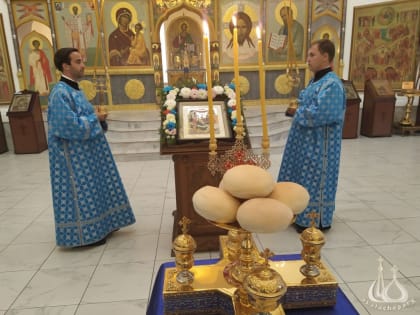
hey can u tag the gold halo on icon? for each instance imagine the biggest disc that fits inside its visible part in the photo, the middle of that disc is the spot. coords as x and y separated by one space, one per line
183 21
282 84
88 88
79 11
280 6
129 6
243 85
134 89
32 39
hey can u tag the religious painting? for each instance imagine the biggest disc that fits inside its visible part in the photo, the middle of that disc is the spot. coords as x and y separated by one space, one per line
76 25
37 58
247 18
333 8
127 33
194 120
7 87
184 43
25 12
278 34
351 93
384 42
21 102
328 32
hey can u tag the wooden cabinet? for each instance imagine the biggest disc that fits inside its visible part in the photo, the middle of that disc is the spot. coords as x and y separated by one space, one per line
26 123
3 143
351 119
378 109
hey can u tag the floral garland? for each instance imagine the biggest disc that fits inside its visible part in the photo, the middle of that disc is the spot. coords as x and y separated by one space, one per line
171 95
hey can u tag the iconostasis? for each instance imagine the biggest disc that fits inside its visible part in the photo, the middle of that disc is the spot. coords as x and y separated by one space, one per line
132 48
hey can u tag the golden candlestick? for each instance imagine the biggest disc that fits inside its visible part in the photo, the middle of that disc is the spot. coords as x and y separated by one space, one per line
265 139
212 144
411 94
239 126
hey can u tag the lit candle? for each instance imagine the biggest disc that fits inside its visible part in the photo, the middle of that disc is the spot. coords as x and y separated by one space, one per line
262 90
209 84
239 126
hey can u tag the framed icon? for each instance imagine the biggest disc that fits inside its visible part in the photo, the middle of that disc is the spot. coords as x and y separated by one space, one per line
194 120
21 102
351 93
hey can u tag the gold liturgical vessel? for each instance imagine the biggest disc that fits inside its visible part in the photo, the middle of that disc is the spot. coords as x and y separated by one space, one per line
246 282
184 247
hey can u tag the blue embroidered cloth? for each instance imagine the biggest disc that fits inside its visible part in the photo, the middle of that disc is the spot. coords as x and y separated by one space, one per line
312 154
89 198
156 303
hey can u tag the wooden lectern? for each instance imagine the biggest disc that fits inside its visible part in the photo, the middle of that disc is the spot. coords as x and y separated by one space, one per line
3 143
378 109
191 173
351 119
26 123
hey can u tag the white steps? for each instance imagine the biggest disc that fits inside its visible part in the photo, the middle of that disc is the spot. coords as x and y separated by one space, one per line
135 135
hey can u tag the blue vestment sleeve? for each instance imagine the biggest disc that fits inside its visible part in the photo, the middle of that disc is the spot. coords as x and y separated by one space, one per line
323 107
72 117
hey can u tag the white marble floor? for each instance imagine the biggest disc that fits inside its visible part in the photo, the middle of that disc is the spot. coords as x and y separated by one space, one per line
378 214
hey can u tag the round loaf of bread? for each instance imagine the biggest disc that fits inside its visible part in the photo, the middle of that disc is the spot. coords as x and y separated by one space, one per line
292 194
248 181
215 204
264 215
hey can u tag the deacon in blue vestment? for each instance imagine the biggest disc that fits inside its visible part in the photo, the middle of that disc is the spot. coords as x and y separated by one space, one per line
312 153
89 198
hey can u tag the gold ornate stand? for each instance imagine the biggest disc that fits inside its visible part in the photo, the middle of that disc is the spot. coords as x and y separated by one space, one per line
406 125
223 288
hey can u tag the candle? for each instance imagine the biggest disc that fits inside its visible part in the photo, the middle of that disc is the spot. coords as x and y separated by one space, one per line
262 89
209 85
236 76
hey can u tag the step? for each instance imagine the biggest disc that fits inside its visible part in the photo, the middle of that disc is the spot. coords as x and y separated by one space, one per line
134 135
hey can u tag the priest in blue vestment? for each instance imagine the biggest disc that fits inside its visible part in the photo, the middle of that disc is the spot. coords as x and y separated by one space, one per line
312 154
89 198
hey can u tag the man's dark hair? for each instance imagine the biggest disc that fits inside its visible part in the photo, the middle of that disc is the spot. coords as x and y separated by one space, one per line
63 56
326 46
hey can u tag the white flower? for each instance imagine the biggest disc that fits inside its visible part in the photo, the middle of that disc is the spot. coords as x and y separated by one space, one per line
231 102
218 89
202 94
170 104
185 92
171 95
194 94
230 93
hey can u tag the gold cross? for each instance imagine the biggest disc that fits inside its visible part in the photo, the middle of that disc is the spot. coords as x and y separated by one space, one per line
266 254
312 215
184 223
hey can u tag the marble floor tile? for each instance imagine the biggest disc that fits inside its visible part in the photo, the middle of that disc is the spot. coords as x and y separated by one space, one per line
381 232
25 256
120 282
406 256
55 287
377 215
11 284
53 310
134 307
